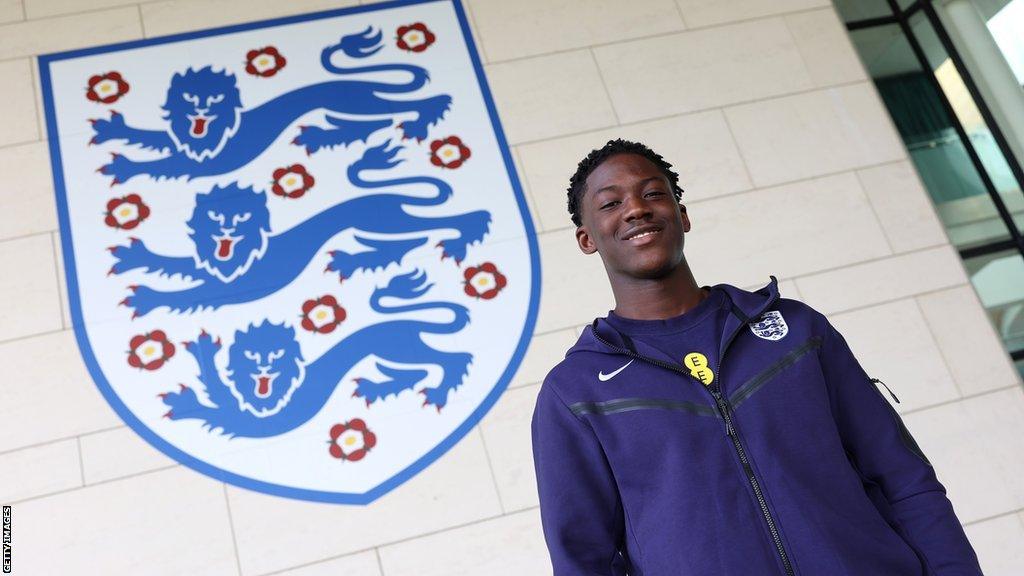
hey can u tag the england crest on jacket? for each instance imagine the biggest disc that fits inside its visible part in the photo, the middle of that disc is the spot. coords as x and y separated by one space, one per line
297 254
770 326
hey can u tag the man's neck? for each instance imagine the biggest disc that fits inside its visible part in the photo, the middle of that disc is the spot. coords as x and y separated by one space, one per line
657 299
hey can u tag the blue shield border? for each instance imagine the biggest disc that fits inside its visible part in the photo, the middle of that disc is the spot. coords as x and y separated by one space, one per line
72 285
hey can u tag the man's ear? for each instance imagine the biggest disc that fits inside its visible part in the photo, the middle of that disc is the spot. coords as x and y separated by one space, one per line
583 238
686 219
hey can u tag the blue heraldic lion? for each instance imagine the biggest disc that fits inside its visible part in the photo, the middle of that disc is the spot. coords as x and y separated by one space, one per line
237 257
269 387
209 132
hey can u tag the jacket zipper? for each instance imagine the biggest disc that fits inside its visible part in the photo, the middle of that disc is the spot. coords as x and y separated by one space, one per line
723 408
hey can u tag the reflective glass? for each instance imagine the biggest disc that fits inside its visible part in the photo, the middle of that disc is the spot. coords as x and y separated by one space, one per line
998 279
960 197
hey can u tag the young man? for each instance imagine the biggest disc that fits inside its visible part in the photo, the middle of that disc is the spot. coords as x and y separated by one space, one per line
708 430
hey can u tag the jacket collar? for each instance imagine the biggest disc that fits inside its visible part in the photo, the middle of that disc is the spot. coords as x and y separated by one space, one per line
746 306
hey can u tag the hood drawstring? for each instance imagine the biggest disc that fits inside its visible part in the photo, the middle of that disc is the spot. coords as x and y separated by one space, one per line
887 389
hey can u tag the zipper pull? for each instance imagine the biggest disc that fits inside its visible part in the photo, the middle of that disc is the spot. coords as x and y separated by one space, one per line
887 389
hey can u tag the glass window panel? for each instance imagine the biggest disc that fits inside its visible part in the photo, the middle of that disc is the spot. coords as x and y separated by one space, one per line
960 197
969 116
998 279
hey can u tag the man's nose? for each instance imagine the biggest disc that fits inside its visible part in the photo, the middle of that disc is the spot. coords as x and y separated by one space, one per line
635 207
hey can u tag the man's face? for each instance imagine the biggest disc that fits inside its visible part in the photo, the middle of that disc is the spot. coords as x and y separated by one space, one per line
631 218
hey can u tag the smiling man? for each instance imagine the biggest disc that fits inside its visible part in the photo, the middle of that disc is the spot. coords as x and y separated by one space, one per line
715 431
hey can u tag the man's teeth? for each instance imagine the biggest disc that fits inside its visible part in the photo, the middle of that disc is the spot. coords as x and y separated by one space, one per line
644 234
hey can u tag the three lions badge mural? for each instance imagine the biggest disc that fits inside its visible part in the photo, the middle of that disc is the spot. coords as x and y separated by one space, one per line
298 257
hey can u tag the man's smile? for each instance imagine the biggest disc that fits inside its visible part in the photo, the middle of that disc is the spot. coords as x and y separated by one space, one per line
641 232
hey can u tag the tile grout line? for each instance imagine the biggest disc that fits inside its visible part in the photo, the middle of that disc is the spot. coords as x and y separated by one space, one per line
113 8
935 341
874 210
99 483
28 235
56 440
682 17
658 35
24 11
380 562
478 39
231 525
37 97
958 400
632 123
60 291
81 460
993 517
604 84
399 541
142 27
739 151
860 307
490 466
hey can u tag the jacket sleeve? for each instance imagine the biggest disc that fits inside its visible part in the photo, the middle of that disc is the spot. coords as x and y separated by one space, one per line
580 509
887 456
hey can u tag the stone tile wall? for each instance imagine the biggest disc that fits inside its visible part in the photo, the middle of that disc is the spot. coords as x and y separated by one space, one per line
791 167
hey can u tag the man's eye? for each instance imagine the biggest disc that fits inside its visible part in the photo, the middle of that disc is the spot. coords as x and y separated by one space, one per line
609 204
655 193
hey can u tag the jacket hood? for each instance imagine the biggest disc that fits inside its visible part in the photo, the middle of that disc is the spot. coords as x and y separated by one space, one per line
600 336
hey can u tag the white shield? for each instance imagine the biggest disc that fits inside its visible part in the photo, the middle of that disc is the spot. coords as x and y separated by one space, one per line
298 256
770 326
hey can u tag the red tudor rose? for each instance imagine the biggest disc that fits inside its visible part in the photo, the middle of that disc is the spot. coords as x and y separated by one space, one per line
351 440
126 212
106 88
322 315
483 281
292 181
149 351
415 37
264 62
448 153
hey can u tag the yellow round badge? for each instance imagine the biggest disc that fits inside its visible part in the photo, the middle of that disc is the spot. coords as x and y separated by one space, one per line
698 365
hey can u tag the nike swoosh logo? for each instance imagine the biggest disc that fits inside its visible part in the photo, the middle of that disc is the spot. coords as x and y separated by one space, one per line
605 377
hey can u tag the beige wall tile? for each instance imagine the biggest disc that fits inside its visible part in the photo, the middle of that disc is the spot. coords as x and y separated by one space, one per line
44 8
699 146
361 564
521 174
826 48
784 231
455 490
52 396
29 203
172 522
881 280
117 453
973 351
172 16
701 69
29 300
11 11
34 37
508 546
975 446
893 343
814 133
39 470
998 544
575 288
532 27
708 12
549 96
544 352
506 430
903 206
18 114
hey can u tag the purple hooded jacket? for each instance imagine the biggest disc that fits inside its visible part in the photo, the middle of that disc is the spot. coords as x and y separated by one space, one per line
795 464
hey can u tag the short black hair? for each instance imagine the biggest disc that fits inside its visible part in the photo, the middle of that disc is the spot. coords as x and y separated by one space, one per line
578 182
